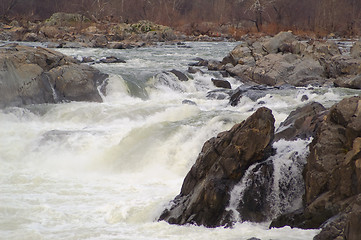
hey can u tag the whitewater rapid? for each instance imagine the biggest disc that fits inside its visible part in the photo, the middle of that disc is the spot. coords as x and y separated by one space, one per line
107 170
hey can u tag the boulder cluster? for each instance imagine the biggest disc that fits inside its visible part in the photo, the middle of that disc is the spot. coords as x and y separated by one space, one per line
284 60
37 75
70 30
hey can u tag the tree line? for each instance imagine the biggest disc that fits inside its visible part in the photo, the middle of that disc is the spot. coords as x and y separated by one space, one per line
328 16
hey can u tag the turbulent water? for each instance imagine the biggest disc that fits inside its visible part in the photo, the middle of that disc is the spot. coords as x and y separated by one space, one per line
107 170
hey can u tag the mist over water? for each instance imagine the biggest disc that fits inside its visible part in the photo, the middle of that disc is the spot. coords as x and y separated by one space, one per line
107 170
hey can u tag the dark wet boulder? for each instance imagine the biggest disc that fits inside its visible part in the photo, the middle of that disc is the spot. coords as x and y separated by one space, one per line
181 76
38 75
301 123
188 102
332 175
205 192
221 83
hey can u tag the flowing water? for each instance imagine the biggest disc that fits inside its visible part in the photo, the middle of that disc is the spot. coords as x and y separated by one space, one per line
107 170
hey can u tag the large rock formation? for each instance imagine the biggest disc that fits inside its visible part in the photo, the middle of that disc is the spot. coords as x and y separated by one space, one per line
220 165
283 59
333 176
38 75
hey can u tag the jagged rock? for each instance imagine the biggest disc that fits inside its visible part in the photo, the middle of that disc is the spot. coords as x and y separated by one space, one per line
38 75
220 165
333 175
301 123
221 83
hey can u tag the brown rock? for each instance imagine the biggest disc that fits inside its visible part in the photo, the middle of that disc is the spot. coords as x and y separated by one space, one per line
301 123
220 165
333 176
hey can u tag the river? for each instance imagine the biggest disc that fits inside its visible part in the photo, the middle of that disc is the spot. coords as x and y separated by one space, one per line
107 170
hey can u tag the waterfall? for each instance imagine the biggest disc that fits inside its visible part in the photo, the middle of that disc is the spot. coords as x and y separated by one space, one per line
273 187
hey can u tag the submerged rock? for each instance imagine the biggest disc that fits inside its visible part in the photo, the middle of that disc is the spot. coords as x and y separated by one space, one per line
220 165
38 75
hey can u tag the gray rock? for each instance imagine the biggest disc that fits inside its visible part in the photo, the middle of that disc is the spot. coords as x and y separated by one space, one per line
301 123
38 75
276 43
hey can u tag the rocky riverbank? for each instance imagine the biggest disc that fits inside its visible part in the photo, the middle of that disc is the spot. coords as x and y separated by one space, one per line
75 31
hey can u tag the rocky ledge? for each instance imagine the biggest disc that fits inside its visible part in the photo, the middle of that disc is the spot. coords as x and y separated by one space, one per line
38 75
332 174
286 60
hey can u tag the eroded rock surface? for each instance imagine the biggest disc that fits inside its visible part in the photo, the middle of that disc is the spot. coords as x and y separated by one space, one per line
220 165
38 75
333 175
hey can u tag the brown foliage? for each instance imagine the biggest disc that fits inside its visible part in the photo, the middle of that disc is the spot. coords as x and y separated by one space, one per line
342 17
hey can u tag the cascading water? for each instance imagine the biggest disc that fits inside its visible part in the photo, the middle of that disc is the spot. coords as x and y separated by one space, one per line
107 170
273 187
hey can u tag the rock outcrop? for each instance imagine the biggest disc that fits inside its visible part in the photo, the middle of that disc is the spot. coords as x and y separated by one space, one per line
333 176
38 75
302 123
283 59
220 165
76 30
